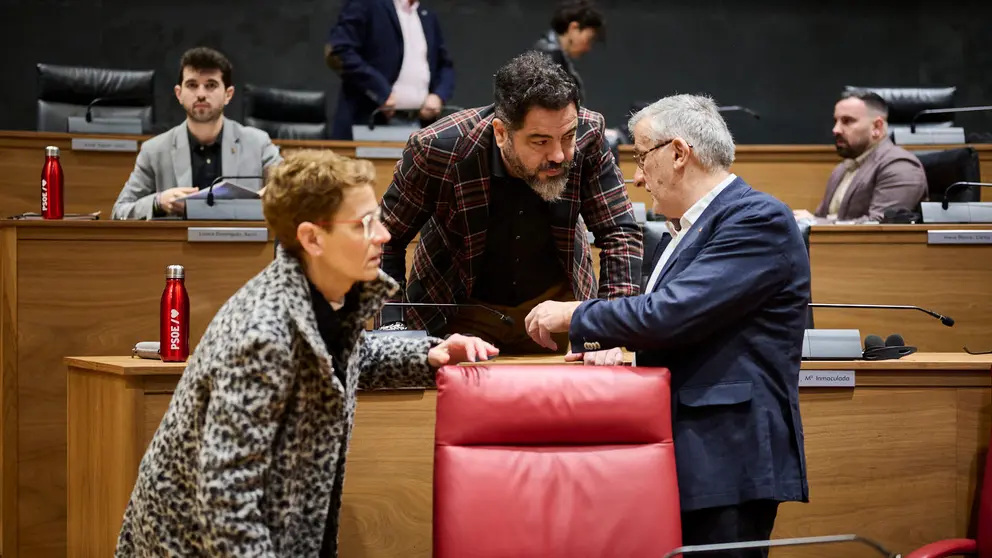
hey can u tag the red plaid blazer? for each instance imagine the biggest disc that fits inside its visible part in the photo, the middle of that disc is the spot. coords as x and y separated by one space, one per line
440 189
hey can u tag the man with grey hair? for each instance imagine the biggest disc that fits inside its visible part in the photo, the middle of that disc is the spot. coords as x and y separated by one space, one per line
725 312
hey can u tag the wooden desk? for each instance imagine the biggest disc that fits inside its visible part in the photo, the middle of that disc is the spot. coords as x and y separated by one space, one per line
893 264
85 288
796 174
895 458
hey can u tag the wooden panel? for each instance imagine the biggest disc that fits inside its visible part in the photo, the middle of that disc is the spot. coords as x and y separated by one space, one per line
796 174
97 294
8 389
154 407
104 434
895 265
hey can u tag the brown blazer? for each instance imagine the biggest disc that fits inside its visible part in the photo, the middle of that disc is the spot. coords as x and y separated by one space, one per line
889 178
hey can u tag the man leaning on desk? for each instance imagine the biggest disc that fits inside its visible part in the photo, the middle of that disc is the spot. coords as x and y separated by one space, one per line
192 155
876 177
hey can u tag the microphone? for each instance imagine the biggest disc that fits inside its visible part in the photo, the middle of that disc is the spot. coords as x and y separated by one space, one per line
738 108
503 317
210 189
947 192
912 123
100 100
946 320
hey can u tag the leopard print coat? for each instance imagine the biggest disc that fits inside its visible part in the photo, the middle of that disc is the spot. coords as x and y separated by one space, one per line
249 459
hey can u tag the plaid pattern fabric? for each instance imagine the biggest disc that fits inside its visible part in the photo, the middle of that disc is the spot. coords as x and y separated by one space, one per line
440 189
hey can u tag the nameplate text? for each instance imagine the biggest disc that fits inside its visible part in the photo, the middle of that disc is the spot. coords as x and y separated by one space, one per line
227 234
826 378
96 144
959 237
392 153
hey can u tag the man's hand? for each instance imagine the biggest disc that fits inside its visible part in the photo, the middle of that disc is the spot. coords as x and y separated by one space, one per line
389 107
460 348
549 317
609 357
167 200
801 214
431 107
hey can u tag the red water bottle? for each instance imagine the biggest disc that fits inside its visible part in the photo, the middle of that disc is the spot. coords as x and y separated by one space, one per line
52 185
174 317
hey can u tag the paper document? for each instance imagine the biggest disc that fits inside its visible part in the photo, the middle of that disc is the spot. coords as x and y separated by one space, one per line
225 191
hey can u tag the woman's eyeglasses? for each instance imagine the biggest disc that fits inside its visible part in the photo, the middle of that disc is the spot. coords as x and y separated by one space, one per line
368 222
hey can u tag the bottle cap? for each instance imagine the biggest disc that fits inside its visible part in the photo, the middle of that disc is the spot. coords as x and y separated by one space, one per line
51 151
175 272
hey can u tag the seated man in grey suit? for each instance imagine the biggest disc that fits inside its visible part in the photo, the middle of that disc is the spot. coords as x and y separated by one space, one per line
876 175
192 155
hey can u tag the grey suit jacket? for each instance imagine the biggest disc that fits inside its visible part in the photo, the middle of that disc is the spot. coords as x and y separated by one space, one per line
164 163
890 178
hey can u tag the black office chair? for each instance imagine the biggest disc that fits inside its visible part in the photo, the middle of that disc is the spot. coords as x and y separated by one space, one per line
906 102
655 233
65 91
286 113
946 167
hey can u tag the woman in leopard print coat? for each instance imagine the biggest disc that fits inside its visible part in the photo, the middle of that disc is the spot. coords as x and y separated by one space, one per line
249 459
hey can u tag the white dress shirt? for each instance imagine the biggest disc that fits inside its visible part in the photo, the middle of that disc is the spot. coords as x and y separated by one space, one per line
413 83
685 223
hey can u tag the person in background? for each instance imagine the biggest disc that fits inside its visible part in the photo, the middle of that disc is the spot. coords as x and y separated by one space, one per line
390 55
501 197
192 155
725 311
876 176
575 26
249 458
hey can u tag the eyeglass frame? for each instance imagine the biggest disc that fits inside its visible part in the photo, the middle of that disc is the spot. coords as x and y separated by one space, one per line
639 157
366 221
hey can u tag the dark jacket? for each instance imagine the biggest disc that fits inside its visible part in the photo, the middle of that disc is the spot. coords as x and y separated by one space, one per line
727 317
549 45
367 52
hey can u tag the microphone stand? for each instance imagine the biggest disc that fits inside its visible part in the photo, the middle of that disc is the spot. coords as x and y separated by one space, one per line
946 320
947 193
210 189
738 108
912 123
503 317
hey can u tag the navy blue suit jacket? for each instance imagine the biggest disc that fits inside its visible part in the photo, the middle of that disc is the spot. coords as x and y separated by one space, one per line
727 317
367 52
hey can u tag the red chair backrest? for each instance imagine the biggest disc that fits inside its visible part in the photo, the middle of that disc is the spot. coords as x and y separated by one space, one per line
554 461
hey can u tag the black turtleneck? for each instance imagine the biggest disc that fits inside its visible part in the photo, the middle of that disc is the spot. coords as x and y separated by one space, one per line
331 328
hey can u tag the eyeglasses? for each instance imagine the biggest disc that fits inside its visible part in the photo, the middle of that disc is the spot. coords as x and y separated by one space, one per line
639 157
368 222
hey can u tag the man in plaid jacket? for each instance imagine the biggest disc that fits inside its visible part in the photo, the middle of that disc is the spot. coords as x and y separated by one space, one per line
502 197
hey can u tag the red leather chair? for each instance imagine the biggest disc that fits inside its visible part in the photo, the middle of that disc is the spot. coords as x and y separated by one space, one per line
554 461
981 545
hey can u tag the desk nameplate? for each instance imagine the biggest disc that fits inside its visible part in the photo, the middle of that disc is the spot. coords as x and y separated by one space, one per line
95 144
394 153
826 378
959 237
227 234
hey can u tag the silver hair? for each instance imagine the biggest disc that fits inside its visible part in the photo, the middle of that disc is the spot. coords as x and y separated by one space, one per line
695 119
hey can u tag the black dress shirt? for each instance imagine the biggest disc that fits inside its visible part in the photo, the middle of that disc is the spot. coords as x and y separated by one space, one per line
521 259
331 330
205 161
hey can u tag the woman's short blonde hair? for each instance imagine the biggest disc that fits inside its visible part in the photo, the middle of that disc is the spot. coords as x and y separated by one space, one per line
308 185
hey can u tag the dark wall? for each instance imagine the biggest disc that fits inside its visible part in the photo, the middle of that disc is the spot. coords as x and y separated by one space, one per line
787 62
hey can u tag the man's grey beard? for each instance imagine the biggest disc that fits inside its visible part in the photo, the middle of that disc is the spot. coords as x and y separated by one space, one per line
550 189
